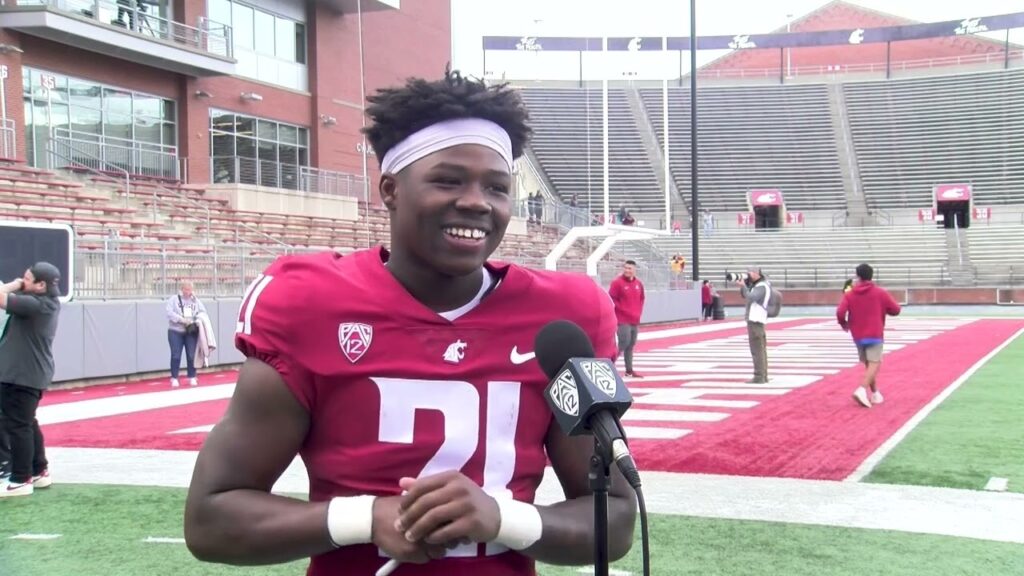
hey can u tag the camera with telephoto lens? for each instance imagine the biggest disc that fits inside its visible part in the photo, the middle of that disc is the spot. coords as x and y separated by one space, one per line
736 277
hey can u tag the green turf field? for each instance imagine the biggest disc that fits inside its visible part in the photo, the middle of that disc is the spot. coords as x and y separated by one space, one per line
103 529
975 434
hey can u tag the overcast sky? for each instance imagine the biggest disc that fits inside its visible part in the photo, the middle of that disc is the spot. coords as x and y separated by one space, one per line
473 19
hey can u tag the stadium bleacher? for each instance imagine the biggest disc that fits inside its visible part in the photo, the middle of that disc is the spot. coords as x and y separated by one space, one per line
754 137
823 257
911 134
568 143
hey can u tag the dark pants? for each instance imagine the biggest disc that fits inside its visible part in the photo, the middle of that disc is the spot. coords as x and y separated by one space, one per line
707 310
758 350
28 455
627 340
189 342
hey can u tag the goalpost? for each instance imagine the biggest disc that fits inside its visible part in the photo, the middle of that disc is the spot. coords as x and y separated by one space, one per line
612 233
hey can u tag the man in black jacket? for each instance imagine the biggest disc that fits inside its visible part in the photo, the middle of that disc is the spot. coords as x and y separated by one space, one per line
26 370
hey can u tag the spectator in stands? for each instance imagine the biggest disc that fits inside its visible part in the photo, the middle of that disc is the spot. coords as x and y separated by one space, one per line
709 222
862 312
756 292
26 371
183 310
678 265
627 293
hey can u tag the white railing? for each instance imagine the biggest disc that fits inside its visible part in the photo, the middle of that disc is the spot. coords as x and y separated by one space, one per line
872 67
8 139
320 181
140 158
210 36
239 170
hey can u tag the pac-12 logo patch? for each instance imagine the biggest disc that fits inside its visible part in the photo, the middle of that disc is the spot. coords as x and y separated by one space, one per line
355 339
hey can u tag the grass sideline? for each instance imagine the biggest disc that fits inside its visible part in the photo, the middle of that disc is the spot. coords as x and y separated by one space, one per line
975 434
103 527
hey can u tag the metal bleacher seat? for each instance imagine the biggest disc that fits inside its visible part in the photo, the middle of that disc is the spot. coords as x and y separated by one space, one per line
754 137
823 257
568 143
911 134
996 253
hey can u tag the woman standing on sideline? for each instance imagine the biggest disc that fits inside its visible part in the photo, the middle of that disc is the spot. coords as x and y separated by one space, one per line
183 310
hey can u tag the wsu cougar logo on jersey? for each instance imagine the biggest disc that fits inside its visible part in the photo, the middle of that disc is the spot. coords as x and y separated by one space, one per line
354 339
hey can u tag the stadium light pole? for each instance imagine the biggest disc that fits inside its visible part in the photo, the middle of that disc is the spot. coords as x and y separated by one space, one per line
664 132
362 108
604 123
694 206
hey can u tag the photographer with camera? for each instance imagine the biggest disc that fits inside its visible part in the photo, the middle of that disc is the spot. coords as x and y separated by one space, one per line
183 310
757 292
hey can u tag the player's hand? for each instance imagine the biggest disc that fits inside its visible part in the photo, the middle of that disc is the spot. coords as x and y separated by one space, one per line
446 509
393 542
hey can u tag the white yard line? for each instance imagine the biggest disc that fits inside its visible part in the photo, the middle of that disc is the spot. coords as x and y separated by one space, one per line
878 455
965 513
996 484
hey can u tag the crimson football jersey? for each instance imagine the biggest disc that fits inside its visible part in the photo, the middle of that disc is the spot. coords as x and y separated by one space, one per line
393 389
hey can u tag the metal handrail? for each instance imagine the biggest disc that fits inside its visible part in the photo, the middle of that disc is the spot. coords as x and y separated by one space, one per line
127 182
210 36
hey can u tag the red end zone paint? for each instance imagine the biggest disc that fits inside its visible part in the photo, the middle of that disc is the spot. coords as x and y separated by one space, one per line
818 431
61 395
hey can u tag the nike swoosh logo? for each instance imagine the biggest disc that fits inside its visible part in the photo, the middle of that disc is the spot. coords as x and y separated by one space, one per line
516 358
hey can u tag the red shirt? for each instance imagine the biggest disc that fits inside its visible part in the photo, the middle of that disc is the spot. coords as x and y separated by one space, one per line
393 389
863 311
628 297
705 295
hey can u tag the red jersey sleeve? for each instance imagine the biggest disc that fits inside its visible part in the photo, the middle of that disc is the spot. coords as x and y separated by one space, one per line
268 321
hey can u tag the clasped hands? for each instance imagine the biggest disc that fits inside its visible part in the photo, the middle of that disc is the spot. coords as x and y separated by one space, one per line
433 514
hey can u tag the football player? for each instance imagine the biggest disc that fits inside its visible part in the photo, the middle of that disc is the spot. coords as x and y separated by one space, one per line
405 378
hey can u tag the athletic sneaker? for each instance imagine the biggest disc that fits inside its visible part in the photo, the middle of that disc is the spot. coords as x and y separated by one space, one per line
861 395
633 375
193 382
876 398
43 480
8 490
5 471
175 383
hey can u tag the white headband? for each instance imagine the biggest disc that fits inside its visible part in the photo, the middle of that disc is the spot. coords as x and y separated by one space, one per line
445 135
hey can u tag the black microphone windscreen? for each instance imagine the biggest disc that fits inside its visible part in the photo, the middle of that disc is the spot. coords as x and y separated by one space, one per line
557 342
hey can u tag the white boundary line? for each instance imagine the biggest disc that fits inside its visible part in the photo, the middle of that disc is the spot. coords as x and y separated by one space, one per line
871 461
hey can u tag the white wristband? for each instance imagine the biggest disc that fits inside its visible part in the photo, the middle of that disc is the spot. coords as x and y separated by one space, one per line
350 520
521 525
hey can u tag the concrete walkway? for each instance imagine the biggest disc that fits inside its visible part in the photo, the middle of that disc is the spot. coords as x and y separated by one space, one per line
963 513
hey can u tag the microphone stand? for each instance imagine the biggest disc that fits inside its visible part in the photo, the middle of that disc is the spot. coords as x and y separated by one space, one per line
600 481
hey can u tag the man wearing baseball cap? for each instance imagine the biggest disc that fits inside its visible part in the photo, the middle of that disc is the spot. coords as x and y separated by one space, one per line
26 370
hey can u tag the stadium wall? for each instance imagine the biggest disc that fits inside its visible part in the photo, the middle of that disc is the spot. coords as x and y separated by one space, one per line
99 340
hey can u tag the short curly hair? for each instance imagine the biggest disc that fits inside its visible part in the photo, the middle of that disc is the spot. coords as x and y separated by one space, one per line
397 113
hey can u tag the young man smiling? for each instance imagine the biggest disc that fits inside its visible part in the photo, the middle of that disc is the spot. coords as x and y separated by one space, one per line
402 379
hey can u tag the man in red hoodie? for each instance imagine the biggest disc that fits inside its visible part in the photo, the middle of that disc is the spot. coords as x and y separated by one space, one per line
862 313
627 293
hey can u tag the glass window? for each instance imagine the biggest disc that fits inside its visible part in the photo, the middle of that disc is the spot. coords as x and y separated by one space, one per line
117 126
245 126
267 130
85 120
223 144
117 101
242 25
285 42
147 130
300 43
150 106
289 134
246 147
219 11
223 121
26 82
170 134
264 26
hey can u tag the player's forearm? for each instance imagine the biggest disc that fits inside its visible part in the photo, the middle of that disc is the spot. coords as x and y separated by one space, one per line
249 527
568 533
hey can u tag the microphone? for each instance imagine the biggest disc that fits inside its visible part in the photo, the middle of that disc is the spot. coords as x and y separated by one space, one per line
586 394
